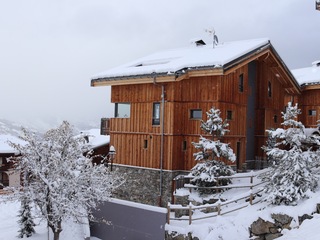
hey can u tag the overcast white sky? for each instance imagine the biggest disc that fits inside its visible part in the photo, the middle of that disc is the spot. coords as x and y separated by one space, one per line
50 49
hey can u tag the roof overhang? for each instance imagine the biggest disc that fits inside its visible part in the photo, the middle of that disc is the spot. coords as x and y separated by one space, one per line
160 77
313 86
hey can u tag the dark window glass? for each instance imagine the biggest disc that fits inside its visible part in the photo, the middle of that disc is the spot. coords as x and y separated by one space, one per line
229 115
196 114
269 89
184 145
241 83
145 144
156 114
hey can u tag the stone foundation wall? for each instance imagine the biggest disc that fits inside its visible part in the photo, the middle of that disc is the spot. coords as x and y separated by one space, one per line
142 185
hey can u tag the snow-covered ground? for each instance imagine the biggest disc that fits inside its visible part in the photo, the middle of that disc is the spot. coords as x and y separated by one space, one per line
227 227
235 225
9 226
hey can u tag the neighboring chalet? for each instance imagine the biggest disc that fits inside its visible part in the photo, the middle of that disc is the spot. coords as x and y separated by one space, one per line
160 100
99 144
7 177
309 101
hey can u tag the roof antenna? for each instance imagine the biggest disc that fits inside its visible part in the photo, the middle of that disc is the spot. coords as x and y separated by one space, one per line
212 32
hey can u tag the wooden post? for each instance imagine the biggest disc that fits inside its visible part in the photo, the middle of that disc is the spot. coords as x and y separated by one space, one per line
251 198
219 208
251 181
190 214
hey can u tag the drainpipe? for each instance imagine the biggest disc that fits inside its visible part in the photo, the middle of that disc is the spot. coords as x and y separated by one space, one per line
162 136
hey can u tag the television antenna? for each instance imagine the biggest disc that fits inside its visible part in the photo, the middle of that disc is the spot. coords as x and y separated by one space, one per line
212 33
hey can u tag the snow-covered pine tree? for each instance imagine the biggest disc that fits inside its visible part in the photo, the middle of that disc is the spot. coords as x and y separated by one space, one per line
211 150
270 144
290 177
25 219
62 182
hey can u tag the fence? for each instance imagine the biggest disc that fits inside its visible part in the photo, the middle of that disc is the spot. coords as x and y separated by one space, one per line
217 207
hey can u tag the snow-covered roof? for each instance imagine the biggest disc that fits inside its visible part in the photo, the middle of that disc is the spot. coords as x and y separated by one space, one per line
4 143
308 75
95 139
172 61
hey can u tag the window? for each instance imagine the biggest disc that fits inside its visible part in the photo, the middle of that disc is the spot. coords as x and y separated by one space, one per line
312 112
156 114
275 119
184 145
122 110
196 114
241 82
145 144
269 89
229 115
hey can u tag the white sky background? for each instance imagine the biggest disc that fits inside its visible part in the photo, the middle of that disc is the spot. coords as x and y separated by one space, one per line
50 49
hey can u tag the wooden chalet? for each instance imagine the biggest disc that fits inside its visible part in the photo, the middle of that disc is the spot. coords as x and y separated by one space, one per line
7 177
160 100
309 100
98 144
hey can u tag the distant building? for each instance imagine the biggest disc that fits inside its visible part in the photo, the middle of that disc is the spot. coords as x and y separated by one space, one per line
8 178
309 100
99 144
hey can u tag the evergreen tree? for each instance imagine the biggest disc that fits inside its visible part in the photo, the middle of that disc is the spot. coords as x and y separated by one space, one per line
25 219
290 176
211 152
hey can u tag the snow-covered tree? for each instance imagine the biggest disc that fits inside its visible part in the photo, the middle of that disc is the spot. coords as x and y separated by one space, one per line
25 219
290 177
211 152
62 182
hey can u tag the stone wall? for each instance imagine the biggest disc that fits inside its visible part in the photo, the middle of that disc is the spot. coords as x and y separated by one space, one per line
142 185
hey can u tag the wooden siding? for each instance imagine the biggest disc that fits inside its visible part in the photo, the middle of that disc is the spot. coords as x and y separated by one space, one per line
129 135
310 100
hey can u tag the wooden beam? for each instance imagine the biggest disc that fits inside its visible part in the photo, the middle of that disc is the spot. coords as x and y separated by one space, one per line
131 80
311 87
244 62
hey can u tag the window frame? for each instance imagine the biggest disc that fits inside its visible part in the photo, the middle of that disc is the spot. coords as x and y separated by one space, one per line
229 115
269 89
184 145
156 113
275 118
194 116
116 110
312 112
145 144
241 83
